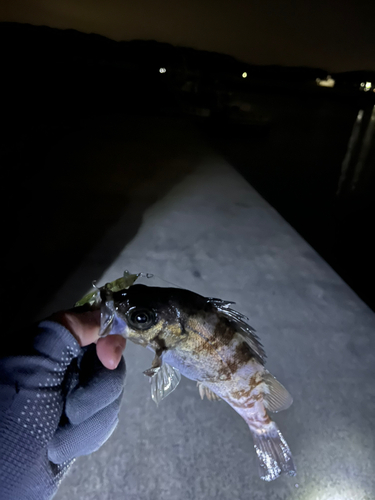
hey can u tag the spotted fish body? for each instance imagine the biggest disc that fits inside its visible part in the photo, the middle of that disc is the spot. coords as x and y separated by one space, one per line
206 341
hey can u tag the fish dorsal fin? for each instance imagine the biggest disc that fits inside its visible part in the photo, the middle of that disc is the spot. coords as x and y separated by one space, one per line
276 398
205 391
243 328
164 381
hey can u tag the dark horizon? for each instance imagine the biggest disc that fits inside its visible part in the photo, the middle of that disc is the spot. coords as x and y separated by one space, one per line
332 36
151 51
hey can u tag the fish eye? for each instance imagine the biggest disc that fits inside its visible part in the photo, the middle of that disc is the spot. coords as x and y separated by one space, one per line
141 318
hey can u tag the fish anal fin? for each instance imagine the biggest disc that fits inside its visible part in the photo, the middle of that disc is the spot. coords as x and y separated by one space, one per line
205 391
276 398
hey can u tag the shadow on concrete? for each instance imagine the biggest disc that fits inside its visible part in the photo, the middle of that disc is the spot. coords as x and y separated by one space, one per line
68 186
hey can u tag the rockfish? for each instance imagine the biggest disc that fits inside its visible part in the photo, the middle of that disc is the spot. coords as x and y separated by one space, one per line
205 340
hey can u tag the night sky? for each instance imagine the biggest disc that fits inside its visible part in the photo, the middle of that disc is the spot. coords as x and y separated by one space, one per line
336 35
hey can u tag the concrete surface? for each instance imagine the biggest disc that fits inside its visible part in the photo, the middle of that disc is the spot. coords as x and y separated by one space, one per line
214 234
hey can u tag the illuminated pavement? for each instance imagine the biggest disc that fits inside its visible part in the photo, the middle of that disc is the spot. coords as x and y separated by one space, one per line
214 234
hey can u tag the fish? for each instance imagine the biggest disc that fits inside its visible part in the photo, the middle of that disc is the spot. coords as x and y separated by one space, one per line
207 341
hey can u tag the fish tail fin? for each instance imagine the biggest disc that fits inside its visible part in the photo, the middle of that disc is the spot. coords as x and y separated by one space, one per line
273 452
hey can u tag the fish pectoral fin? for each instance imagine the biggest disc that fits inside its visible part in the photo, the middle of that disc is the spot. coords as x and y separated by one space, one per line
276 398
151 372
205 391
163 379
155 366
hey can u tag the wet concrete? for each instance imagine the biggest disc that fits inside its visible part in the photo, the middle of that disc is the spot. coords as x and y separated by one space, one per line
211 232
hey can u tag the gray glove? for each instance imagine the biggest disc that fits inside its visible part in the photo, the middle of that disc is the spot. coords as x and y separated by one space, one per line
57 402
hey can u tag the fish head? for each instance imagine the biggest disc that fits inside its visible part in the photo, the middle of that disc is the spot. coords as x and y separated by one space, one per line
169 318
156 317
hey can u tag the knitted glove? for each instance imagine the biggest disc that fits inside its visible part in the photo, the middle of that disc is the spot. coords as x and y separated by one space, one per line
57 402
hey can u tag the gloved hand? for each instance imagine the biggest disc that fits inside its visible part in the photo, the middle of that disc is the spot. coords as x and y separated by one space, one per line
92 403
57 402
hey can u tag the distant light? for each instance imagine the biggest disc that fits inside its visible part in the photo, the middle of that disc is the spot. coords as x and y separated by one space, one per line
328 82
244 74
368 86
162 70
362 84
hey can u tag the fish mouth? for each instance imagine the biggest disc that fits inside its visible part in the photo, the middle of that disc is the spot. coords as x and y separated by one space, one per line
111 323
